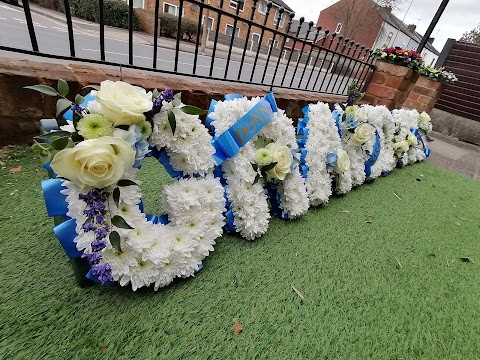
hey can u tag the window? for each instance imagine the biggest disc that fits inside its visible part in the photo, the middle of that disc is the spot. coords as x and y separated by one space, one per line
282 19
170 9
137 4
389 37
229 30
275 43
209 23
262 7
235 3
338 28
255 38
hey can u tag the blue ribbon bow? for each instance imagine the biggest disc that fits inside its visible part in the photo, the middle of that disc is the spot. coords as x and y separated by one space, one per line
231 141
374 156
427 151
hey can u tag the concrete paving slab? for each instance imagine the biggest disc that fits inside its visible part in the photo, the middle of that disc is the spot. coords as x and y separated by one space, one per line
447 150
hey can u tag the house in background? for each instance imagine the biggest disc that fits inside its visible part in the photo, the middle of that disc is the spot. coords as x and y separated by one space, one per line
191 11
373 26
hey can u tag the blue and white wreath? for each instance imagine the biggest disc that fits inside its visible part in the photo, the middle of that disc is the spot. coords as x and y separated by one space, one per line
407 142
96 171
325 165
263 170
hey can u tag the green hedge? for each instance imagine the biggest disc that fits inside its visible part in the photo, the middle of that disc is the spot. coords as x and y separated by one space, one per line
115 13
169 23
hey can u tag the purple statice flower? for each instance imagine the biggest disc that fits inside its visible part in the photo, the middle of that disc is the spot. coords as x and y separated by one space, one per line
101 232
103 272
167 95
351 100
88 227
100 219
98 206
93 258
98 245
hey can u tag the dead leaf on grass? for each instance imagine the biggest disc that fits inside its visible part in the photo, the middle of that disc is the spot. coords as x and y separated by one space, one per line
237 327
16 169
300 295
102 348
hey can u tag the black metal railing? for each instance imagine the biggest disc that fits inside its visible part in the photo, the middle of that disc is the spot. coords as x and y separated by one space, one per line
272 53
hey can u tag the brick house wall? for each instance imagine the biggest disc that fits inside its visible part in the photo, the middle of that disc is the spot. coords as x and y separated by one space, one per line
191 11
365 34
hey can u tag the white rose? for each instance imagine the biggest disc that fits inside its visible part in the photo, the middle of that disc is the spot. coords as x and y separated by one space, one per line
343 162
362 134
412 139
98 162
283 157
424 118
362 114
122 103
401 146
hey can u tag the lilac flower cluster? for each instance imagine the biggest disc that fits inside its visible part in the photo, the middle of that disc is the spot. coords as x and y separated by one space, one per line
166 95
96 222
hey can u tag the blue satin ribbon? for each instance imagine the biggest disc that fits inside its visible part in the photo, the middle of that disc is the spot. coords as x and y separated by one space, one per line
158 219
230 97
69 114
374 156
229 225
55 201
66 233
164 159
275 201
231 141
302 132
426 151
336 118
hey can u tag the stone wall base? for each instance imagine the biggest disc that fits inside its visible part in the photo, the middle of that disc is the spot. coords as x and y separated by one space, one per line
459 127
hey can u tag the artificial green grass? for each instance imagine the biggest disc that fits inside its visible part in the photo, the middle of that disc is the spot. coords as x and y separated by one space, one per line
382 278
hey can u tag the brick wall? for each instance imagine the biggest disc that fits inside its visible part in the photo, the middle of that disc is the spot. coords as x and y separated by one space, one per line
390 85
21 109
424 95
191 11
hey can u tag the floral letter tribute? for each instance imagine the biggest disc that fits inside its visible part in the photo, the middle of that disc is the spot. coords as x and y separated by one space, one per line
96 159
258 161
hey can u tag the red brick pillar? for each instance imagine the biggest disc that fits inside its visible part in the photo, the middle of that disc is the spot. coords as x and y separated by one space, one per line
390 85
424 95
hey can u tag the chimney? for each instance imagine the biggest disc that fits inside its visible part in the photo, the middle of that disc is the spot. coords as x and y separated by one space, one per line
431 40
411 28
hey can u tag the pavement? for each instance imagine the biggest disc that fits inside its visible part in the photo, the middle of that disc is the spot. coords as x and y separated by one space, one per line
455 155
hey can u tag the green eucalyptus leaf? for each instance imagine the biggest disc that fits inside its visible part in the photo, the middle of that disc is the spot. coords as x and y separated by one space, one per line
62 105
116 196
172 121
126 182
50 135
193 110
120 222
41 147
269 166
115 241
44 89
62 87
255 167
60 143
177 99
155 93
79 99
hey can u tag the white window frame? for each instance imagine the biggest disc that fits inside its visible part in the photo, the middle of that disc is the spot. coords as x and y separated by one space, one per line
254 33
177 8
227 25
143 5
282 19
274 42
259 5
339 28
210 18
236 4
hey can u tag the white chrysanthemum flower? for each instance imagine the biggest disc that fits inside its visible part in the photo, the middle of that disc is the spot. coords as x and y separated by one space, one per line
249 201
